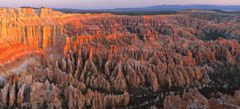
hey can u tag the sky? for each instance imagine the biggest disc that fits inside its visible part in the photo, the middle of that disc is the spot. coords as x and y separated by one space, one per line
106 4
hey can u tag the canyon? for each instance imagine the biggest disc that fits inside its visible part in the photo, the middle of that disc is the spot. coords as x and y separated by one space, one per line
50 59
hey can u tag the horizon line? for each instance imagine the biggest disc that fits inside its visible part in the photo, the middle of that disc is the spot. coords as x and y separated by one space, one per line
38 7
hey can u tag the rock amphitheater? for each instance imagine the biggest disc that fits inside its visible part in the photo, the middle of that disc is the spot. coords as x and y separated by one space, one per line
55 60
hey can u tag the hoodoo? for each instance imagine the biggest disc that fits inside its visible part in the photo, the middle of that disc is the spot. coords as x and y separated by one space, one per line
51 59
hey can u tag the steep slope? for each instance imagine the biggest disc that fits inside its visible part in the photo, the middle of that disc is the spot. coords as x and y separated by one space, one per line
26 32
117 61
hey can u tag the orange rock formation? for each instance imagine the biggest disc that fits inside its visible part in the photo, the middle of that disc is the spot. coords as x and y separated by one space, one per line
110 61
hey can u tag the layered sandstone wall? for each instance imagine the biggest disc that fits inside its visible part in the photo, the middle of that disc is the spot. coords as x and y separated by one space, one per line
31 27
24 31
110 61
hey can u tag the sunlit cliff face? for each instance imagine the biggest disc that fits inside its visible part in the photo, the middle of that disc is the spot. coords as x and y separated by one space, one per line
51 59
27 32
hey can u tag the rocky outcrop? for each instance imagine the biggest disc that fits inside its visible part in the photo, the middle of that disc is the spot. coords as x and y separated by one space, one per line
191 99
27 32
94 99
20 90
194 99
110 61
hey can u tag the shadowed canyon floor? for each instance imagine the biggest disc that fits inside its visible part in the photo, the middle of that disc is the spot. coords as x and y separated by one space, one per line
50 59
